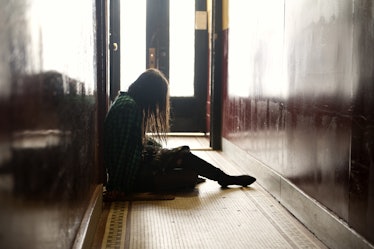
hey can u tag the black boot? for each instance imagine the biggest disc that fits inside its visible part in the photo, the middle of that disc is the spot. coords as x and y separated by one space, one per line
207 170
243 180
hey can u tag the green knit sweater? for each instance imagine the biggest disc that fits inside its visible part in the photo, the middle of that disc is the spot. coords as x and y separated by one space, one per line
123 143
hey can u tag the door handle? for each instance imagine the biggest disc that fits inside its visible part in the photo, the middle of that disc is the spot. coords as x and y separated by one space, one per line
152 57
114 46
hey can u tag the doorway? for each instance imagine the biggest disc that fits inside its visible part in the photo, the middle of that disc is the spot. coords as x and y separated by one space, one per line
164 34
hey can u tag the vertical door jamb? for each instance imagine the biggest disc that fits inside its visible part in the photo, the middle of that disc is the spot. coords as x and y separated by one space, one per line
115 48
216 77
102 18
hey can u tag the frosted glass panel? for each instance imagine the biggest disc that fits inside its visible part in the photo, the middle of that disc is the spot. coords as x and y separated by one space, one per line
133 38
182 47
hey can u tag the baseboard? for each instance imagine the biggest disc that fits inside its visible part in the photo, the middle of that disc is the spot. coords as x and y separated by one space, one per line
332 231
90 221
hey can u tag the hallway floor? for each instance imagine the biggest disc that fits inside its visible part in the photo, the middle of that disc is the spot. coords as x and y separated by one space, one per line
208 217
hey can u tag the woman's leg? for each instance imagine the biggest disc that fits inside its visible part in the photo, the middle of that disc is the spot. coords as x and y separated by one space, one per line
179 168
162 172
205 169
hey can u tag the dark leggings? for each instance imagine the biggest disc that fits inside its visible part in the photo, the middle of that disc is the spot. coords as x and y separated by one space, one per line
182 175
202 167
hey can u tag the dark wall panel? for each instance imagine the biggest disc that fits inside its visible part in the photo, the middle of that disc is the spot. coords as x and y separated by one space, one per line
303 102
361 213
48 131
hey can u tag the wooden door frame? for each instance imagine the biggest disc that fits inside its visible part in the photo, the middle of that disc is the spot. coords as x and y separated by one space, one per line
102 87
216 77
115 48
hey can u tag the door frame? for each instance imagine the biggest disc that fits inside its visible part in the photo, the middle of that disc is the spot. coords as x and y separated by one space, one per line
103 74
114 48
217 68
188 114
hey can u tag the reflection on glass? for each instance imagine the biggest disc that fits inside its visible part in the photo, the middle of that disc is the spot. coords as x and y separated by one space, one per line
39 139
255 61
133 38
239 64
182 47
60 38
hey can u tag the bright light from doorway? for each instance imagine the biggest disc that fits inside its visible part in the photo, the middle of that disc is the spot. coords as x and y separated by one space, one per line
182 47
133 38
182 44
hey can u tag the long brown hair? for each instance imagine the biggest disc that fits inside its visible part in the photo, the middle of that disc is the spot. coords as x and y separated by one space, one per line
151 92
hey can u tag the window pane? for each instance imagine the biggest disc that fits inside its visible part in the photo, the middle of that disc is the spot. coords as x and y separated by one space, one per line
133 37
182 47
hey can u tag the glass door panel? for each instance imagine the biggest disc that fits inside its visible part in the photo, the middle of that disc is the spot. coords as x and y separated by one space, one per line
182 47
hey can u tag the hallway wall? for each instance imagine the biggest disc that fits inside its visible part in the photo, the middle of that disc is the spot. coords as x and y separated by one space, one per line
299 97
48 127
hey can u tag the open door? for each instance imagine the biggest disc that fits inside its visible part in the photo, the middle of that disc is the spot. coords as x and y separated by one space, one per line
174 39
